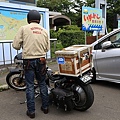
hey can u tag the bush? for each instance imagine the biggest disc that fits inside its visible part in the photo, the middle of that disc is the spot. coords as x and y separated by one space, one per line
71 27
53 34
71 37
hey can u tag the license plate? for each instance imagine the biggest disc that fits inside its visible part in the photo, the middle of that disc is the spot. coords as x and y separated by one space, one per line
86 78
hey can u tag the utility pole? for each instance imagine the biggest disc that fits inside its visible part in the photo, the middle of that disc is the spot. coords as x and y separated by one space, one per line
101 4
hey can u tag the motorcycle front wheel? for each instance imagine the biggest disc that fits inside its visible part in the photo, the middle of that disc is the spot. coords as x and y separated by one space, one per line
83 97
14 81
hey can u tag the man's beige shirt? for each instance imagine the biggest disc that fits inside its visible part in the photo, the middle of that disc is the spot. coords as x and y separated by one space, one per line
34 41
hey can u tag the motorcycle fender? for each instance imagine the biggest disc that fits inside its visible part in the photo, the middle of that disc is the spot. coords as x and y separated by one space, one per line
15 70
77 80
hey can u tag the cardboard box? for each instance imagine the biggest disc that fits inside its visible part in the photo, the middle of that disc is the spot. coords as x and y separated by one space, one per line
74 60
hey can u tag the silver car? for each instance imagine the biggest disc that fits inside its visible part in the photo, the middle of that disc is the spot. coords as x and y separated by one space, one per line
106 57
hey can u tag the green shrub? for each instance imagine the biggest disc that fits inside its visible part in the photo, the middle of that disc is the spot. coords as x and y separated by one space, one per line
71 27
53 34
71 37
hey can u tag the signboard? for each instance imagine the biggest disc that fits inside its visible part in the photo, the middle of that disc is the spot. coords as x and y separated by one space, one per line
12 17
91 19
11 21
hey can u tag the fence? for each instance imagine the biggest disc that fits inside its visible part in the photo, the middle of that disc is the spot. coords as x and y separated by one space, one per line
7 52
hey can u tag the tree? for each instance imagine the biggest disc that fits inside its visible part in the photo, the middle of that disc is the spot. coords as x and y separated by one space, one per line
77 6
113 8
56 5
66 7
90 3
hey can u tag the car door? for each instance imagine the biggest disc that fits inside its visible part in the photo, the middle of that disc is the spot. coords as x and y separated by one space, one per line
107 61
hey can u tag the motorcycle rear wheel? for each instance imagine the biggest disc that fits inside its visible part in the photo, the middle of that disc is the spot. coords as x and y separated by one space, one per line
14 81
83 97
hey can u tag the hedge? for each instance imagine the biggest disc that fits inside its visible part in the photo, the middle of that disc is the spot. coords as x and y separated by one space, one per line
71 37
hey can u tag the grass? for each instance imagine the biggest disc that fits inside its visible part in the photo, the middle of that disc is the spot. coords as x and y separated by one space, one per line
3 72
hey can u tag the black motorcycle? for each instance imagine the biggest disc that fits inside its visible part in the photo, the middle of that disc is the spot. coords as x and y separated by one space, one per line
65 91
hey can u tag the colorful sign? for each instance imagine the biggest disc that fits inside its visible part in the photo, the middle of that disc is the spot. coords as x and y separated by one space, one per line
91 19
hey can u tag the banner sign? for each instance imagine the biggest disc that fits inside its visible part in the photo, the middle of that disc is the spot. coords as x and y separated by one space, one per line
91 19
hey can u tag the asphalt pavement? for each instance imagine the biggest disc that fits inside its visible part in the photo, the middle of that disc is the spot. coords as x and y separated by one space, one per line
106 104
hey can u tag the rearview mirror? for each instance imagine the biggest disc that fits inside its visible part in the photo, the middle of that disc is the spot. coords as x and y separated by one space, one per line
105 45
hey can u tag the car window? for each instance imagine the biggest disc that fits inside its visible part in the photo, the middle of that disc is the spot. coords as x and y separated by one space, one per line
99 45
115 39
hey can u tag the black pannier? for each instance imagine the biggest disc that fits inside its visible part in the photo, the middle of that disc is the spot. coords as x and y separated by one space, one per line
63 98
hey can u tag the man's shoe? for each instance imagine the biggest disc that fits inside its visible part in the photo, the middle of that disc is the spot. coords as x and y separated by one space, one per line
45 111
31 115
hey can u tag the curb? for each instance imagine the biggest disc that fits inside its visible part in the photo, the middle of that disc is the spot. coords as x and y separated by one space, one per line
4 87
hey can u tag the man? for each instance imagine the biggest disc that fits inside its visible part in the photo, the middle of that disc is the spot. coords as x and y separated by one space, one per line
34 41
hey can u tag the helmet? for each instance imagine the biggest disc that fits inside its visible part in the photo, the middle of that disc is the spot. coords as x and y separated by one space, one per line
33 16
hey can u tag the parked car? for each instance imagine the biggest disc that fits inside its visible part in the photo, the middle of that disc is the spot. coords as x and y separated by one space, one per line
106 57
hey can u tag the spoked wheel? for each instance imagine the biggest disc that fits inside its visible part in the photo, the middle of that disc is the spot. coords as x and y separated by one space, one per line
14 81
18 82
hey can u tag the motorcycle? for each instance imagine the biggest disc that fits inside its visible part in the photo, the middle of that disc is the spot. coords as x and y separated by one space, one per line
65 92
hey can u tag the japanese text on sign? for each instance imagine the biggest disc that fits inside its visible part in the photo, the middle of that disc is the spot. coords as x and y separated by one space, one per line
91 19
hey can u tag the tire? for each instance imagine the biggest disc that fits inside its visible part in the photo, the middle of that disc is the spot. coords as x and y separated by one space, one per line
83 97
94 76
14 81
